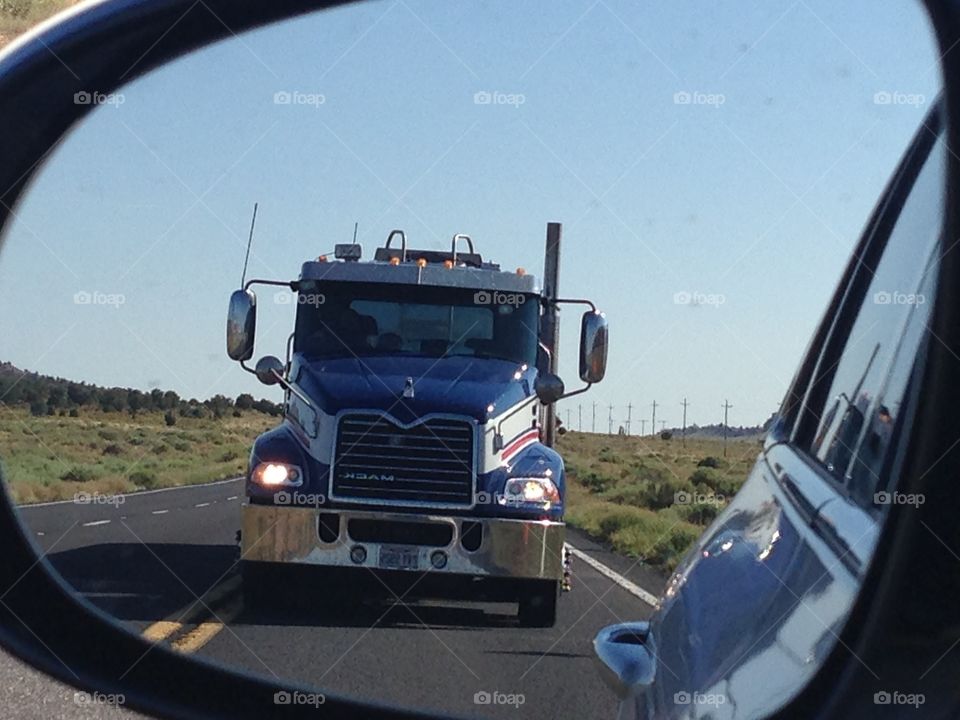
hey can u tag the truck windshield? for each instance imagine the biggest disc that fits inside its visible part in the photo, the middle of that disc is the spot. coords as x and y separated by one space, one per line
363 319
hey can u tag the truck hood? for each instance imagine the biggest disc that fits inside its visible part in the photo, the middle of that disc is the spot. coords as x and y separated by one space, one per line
456 385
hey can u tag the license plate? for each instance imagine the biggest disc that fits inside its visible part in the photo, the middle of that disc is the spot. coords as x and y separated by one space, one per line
400 558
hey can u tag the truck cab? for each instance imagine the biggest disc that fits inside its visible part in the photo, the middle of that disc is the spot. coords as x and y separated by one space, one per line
415 447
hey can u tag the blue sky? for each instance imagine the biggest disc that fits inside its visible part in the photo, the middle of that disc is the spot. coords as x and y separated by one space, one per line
713 165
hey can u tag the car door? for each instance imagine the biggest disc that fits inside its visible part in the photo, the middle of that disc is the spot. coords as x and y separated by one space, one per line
757 605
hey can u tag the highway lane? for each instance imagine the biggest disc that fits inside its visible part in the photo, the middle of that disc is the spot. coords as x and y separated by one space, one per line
147 559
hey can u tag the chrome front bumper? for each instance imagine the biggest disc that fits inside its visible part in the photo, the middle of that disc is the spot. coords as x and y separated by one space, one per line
509 548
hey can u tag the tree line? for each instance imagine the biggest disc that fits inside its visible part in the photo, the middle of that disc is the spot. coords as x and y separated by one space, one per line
46 395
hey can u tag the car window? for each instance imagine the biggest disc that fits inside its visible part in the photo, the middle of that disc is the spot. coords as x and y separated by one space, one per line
873 446
887 305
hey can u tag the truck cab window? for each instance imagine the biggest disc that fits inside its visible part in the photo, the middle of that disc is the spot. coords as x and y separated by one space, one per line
361 319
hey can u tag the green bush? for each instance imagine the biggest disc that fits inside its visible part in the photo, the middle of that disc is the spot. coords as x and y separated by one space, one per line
608 455
595 482
709 462
170 418
112 449
108 434
146 479
79 473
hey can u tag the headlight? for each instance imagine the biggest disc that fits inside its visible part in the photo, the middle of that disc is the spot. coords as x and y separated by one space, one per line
539 490
277 475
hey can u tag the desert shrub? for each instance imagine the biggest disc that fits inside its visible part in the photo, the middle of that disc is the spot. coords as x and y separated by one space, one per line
108 434
146 479
595 482
709 462
112 449
79 473
170 418
608 455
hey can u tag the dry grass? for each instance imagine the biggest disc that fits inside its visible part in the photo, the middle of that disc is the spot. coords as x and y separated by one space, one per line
650 498
53 457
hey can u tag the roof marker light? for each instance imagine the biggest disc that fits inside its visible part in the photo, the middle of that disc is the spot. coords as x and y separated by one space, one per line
394 261
448 264
521 272
421 262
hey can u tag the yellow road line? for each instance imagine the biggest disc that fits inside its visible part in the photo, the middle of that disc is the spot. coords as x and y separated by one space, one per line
189 614
206 631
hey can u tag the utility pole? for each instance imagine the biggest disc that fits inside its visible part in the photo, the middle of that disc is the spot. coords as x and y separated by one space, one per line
568 419
579 418
663 425
609 419
643 427
726 408
683 433
593 421
629 413
653 420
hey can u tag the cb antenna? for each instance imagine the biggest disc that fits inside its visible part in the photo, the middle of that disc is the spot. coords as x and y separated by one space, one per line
355 226
249 243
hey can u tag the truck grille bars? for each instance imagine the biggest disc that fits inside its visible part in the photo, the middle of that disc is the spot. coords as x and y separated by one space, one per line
428 464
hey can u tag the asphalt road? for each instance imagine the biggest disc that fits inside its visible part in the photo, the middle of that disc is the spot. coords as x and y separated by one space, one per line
147 560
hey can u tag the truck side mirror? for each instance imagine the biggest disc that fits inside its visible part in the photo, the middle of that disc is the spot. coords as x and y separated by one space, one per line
548 387
241 324
593 346
269 370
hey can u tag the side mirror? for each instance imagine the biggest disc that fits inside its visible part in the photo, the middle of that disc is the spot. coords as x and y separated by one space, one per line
627 660
269 370
548 387
241 324
593 346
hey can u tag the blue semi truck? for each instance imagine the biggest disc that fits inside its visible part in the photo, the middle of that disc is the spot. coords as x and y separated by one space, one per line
416 444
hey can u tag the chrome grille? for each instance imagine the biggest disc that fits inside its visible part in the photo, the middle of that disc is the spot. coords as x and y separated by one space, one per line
430 463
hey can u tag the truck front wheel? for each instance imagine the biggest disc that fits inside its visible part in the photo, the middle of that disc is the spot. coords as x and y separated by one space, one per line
538 604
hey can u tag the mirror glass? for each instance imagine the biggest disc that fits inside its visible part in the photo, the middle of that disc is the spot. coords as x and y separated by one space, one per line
359 534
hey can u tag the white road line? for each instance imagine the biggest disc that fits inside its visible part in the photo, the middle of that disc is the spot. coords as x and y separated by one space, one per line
632 588
232 497
201 504
95 523
158 512
137 494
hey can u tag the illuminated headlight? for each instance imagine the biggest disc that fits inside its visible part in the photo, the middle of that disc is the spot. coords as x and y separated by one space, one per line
277 475
539 490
